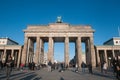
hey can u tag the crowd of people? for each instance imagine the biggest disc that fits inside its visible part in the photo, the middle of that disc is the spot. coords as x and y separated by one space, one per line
56 66
116 67
115 64
89 66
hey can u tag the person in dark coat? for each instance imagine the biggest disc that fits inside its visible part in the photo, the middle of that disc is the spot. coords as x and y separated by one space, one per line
114 63
118 68
8 66
49 66
83 65
33 65
90 68
101 65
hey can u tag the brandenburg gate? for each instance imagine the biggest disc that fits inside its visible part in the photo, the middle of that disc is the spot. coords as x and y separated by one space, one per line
58 32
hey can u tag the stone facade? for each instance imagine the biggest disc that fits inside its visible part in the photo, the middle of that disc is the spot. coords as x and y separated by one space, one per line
12 48
58 32
7 41
108 51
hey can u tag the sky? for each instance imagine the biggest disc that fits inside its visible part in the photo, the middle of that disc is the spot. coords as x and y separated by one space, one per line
102 15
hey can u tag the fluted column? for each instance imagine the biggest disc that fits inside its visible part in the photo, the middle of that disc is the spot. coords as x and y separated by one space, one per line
79 52
15 58
28 51
42 51
87 44
105 56
24 53
98 57
1 54
37 50
50 50
93 60
75 58
66 54
113 53
4 56
31 54
19 57
12 53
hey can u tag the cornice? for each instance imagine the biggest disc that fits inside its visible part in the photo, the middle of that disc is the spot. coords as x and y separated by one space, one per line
59 31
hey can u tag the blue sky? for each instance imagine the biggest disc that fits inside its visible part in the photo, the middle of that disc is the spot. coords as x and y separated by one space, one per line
102 15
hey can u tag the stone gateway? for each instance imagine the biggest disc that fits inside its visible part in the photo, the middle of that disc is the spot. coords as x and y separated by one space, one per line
58 32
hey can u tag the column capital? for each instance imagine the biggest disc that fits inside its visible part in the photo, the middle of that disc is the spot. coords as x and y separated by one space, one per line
26 36
38 36
79 38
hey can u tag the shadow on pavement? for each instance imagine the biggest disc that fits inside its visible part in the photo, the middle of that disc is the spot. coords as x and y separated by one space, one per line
15 76
103 75
61 78
10 75
38 78
95 73
29 77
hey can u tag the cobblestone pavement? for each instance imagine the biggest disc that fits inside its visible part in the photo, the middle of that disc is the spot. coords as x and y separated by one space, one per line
43 74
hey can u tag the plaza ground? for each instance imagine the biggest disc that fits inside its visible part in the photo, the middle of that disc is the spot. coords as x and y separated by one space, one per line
44 74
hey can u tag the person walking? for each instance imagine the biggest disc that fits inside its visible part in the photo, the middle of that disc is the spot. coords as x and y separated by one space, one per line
118 68
76 68
33 65
101 66
0 64
21 67
114 63
105 67
49 66
8 66
90 68
83 65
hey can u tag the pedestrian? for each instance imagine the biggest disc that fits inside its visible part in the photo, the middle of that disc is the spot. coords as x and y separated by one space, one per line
61 67
36 66
101 65
3 62
83 65
0 64
33 65
90 68
105 67
118 68
114 63
76 68
8 66
30 66
21 66
49 66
